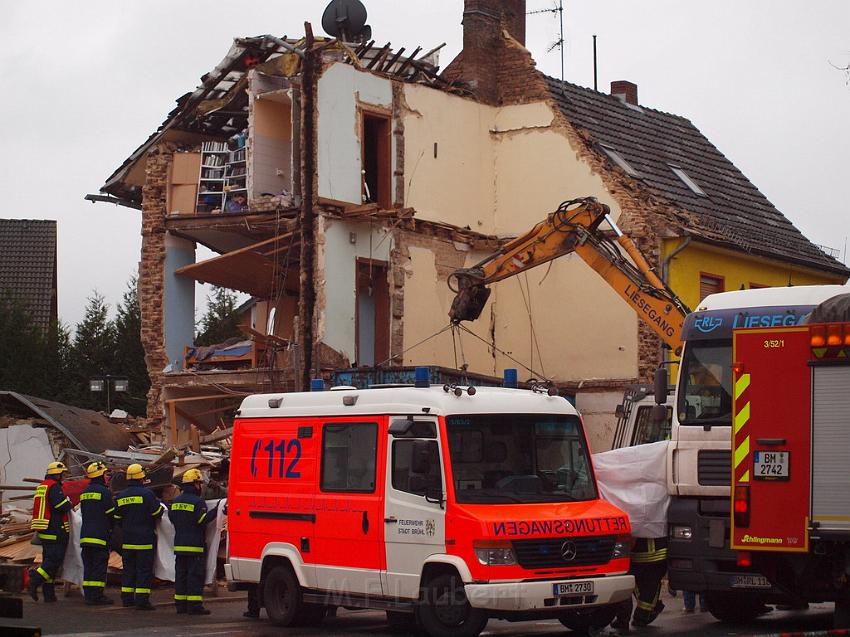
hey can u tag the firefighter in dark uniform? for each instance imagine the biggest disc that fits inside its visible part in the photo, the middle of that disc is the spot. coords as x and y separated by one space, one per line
648 565
190 517
137 509
51 524
97 509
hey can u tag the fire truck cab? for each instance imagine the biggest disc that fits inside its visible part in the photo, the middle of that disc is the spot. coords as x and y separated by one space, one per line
449 504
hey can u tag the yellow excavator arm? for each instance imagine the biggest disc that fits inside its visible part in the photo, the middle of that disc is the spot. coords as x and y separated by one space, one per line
574 228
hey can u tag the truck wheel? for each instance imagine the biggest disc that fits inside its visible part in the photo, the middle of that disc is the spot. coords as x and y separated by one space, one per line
282 596
444 610
734 608
588 620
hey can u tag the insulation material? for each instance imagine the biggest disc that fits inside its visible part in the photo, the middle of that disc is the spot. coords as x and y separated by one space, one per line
635 480
32 452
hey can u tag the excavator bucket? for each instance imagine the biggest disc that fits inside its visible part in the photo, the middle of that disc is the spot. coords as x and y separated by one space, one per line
468 303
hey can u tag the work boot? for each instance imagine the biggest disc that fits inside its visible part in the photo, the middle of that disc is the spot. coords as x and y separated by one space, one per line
35 582
251 614
100 601
199 610
181 607
128 600
49 592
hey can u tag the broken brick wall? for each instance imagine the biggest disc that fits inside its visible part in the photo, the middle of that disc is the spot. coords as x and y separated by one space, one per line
152 272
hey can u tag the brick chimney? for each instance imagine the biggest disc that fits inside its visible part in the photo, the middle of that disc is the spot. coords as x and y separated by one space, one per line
480 60
625 90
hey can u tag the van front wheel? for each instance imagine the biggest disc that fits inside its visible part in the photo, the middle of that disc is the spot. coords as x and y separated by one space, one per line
444 610
282 596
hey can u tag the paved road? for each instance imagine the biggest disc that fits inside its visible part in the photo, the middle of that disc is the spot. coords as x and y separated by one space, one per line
71 617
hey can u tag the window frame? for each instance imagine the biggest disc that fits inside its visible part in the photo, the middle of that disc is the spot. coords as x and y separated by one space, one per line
717 277
686 179
614 155
347 424
411 441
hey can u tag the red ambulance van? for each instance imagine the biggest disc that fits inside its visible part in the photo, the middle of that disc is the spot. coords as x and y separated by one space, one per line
446 504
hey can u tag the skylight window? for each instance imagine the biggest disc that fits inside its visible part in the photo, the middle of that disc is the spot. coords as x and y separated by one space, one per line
690 183
618 159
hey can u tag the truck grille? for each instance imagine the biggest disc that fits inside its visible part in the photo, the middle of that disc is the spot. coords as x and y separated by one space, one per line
547 552
714 467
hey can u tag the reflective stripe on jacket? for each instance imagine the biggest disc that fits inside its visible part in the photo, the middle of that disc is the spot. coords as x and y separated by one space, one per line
137 508
50 511
188 513
97 507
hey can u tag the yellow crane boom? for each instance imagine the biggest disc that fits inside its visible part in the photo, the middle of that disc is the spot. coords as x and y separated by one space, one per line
574 228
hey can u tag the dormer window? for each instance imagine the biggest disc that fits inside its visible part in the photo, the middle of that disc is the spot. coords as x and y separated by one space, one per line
690 183
614 156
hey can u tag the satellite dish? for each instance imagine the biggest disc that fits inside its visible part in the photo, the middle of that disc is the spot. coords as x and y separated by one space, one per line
346 20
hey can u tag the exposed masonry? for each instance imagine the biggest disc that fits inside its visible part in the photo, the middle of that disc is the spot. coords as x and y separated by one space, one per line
152 270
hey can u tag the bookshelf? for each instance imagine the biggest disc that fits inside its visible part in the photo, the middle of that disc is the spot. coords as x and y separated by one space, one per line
235 180
211 182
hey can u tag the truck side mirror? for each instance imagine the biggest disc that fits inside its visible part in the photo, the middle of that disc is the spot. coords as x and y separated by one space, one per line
661 386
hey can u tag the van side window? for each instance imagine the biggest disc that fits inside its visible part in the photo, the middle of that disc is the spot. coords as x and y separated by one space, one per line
349 453
402 471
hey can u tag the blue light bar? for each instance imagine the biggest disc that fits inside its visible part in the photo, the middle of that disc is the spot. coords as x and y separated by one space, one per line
423 377
510 377
317 384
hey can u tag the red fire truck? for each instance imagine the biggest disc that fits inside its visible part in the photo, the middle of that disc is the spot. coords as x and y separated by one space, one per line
791 455
439 503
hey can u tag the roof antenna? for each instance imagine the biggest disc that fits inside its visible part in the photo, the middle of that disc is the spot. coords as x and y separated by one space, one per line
558 10
595 86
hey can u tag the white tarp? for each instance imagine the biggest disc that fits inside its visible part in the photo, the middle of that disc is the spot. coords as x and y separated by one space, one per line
72 567
635 480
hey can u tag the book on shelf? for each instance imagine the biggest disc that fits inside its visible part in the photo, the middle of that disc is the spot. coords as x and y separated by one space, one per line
214 147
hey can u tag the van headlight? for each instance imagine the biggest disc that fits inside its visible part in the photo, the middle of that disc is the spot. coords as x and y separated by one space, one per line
494 553
622 547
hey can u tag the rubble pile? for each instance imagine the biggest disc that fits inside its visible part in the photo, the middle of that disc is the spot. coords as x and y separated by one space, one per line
35 432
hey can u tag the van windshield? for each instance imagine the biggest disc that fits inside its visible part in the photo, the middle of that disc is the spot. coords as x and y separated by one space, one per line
519 458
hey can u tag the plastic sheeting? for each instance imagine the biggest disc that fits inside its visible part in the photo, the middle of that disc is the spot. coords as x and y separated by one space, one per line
834 310
635 480
72 567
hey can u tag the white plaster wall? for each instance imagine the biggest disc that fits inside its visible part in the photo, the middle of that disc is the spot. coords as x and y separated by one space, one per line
341 87
338 262
456 186
500 171
427 300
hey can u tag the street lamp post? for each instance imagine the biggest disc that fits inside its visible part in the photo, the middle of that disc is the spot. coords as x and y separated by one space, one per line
110 383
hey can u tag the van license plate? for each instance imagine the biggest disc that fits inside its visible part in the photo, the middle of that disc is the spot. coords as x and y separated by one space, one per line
573 588
750 581
771 465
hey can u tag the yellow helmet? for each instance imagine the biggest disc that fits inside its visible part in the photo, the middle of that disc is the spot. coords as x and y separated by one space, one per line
135 472
95 470
192 475
56 469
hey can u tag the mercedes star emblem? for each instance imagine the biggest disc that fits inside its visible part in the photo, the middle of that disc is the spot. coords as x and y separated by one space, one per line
568 551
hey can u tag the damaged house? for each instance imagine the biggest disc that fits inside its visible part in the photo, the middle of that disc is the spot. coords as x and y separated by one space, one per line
340 183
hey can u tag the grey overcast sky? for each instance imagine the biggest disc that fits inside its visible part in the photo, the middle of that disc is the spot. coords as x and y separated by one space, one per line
88 81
